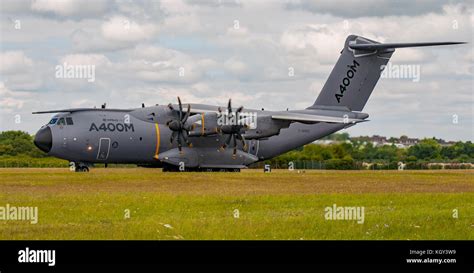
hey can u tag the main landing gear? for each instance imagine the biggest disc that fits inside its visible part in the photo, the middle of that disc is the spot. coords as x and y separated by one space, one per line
78 167
83 169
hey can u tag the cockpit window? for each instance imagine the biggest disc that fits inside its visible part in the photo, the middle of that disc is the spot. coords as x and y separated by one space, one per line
61 121
69 121
53 121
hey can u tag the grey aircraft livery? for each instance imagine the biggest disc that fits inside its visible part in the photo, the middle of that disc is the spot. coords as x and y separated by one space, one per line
198 137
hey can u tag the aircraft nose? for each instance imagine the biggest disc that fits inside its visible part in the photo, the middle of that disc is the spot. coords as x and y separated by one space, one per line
43 139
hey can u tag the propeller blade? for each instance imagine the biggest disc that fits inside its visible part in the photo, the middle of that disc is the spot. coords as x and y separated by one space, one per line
229 106
235 145
239 109
242 139
170 106
186 116
185 137
180 109
227 141
180 144
173 136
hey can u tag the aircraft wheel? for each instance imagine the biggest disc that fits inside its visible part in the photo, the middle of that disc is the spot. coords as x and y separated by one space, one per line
82 169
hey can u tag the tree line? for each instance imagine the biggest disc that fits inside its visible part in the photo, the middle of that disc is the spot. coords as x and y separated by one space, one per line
347 153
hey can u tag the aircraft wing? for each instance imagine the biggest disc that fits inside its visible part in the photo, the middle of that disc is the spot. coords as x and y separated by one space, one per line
71 110
310 118
202 110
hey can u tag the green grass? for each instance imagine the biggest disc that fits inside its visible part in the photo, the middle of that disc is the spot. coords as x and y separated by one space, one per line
407 205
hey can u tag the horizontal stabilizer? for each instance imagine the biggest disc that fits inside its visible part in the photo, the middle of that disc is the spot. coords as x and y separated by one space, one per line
370 46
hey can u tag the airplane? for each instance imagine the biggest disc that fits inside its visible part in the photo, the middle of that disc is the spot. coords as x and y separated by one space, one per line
199 137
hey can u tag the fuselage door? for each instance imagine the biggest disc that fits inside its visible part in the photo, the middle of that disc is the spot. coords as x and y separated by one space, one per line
253 149
104 148
61 131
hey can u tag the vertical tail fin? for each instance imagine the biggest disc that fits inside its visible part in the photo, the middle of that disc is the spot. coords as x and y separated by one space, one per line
357 71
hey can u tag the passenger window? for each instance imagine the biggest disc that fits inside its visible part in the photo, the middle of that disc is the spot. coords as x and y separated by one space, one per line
61 121
69 121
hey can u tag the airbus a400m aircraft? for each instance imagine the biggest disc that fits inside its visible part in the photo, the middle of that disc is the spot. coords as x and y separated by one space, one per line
198 137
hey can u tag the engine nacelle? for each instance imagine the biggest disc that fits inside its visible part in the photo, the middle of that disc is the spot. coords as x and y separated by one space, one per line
203 125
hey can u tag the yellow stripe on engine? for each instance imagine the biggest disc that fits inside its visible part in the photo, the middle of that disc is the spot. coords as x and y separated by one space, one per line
202 124
157 129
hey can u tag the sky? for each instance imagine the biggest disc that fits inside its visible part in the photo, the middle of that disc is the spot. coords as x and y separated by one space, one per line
262 54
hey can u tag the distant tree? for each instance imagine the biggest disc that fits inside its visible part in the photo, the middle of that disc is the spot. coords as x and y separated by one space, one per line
337 137
14 143
468 149
386 152
464 158
338 151
6 149
411 158
448 152
369 151
426 149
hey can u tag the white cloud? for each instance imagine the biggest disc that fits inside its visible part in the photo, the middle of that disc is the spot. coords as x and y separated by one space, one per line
368 8
124 29
322 42
14 6
181 24
13 62
85 59
175 7
236 66
19 72
10 100
71 7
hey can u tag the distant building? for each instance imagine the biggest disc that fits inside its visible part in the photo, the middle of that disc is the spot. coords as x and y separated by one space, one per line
407 142
443 142
378 140
330 141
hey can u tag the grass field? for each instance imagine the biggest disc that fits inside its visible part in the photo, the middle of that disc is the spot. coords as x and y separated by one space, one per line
405 205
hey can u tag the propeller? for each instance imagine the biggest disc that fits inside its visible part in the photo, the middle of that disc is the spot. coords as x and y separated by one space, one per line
232 130
180 130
